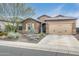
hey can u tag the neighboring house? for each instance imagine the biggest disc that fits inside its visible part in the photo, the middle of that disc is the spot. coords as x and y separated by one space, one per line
2 25
52 25
5 22
77 30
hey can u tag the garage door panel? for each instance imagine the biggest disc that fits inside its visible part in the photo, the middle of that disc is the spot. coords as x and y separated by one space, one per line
60 28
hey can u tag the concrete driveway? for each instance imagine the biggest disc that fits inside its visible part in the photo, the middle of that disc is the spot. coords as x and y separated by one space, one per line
61 43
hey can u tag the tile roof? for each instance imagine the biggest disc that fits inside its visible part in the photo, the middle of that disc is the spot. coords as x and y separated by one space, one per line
44 16
61 17
32 19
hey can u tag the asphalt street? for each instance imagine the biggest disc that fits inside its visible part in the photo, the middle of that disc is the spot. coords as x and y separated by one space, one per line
13 51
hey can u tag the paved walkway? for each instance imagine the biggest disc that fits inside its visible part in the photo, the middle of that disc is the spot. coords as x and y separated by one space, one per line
54 43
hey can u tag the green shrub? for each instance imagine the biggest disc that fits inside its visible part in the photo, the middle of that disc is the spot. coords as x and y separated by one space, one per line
41 35
1 34
5 33
13 35
9 28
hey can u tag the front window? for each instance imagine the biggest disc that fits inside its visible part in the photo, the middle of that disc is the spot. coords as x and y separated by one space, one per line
30 27
20 27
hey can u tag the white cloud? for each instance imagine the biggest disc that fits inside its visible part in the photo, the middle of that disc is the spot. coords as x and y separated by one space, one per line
57 10
74 14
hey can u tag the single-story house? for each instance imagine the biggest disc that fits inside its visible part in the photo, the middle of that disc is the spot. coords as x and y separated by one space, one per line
52 25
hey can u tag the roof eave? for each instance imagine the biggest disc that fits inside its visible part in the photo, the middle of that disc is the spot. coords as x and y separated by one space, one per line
31 19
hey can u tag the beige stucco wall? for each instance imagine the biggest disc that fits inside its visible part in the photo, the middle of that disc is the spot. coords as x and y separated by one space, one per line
61 27
36 25
42 19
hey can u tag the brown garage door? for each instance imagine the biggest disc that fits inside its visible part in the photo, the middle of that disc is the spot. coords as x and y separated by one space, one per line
60 28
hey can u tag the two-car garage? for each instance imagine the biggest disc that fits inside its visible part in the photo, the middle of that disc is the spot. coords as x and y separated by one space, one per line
60 28
61 25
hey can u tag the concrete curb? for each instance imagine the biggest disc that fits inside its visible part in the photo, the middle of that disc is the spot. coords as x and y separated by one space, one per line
36 47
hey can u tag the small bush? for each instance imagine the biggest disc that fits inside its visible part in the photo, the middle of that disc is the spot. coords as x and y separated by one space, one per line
41 35
1 34
13 35
5 33
9 28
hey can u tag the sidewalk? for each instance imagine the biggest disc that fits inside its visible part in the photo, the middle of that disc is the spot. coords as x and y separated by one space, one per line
63 44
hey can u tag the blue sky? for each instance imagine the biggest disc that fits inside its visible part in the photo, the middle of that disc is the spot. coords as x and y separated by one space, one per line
52 9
